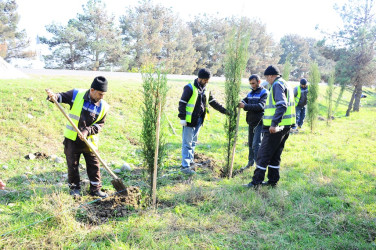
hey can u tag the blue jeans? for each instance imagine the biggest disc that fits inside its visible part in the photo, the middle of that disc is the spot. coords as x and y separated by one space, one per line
190 135
300 115
254 142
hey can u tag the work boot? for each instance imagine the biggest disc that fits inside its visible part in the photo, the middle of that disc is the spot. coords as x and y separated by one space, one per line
75 192
251 185
187 170
99 193
269 184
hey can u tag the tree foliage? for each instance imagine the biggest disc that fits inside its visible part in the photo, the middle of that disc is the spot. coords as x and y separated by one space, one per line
313 91
91 41
154 93
329 97
12 41
235 62
158 36
353 48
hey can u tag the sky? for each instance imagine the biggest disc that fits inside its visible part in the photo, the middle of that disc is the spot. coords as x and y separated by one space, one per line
280 16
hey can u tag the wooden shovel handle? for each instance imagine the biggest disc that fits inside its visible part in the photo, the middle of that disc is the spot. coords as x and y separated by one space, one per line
83 138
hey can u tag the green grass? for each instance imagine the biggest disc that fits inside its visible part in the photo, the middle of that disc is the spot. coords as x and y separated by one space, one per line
325 199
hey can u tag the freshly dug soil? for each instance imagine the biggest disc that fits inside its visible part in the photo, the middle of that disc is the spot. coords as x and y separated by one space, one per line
205 161
115 206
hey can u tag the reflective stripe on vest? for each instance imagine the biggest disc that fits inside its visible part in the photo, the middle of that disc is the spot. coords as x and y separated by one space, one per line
297 98
192 102
75 113
289 117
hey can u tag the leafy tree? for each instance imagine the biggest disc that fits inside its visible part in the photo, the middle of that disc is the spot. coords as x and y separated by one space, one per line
154 93
235 63
12 42
313 91
158 36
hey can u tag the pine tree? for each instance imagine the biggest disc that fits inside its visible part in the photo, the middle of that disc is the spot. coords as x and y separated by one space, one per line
235 62
313 91
286 69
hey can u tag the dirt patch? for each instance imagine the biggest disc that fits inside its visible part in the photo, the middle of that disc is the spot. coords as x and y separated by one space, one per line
37 155
204 161
115 206
133 141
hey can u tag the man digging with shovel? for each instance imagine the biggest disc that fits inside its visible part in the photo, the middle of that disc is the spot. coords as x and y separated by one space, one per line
88 111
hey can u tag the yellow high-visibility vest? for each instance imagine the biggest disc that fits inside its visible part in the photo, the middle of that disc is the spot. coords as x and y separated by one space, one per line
289 117
299 93
192 102
75 114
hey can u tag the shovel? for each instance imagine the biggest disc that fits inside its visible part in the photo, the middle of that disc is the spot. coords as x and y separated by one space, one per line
116 182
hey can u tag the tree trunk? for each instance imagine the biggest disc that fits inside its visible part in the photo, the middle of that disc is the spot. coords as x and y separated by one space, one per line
351 103
358 95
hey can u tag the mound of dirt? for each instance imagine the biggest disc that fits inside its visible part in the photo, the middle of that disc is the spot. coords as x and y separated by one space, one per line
115 206
205 161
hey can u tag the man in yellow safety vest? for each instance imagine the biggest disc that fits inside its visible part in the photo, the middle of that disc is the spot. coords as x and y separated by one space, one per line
88 111
278 118
300 93
193 110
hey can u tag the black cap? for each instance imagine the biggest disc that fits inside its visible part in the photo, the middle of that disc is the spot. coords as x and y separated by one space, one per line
303 81
204 74
271 71
99 83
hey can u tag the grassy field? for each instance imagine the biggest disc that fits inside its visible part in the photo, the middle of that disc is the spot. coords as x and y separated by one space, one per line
326 197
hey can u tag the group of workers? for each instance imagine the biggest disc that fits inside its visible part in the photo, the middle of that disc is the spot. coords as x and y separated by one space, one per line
270 116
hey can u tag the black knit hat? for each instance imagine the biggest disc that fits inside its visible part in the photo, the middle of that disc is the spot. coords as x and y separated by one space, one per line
303 81
271 71
204 74
99 83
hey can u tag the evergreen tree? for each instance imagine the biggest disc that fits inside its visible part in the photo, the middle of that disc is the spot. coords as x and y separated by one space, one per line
154 93
235 62
286 69
329 96
313 91
12 42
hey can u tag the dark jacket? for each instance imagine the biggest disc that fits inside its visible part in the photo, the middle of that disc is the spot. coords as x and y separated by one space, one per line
254 104
199 110
279 94
88 115
303 95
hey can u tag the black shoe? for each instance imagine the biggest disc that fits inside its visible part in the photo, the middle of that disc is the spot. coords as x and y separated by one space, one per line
269 184
75 192
251 185
99 193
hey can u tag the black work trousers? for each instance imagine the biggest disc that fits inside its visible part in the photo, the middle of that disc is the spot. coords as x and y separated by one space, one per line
269 156
73 151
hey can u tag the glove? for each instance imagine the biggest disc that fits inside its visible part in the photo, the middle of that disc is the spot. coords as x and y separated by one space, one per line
183 122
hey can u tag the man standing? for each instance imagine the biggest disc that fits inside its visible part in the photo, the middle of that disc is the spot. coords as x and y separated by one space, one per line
300 93
88 111
279 116
193 110
254 104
